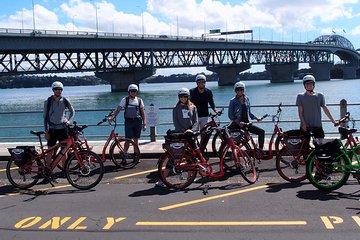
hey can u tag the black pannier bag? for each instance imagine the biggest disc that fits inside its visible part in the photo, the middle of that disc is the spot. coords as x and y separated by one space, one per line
22 154
294 140
175 144
237 135
326 151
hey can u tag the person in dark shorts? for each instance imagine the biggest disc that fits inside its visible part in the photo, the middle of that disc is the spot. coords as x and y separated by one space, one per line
55 119
134 115
309 109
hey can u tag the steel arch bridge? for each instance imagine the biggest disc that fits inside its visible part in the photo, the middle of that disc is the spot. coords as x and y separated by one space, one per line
50 52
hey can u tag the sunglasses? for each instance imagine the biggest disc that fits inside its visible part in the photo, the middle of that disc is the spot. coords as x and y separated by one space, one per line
57 89
239 89
183 96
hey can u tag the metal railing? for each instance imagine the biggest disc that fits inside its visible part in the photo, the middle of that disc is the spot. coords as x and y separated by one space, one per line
152 132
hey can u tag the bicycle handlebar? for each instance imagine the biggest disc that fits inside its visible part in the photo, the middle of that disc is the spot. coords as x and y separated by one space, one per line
75 127
106 118
346 117
219 113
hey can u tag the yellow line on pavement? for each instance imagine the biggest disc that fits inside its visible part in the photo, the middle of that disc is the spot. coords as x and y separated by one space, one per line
212 198
3 170
34 190
135 174
242 223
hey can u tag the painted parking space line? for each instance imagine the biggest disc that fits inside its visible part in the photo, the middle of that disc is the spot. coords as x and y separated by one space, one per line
34 190
135 174
212 198
232 223
68 185
4 169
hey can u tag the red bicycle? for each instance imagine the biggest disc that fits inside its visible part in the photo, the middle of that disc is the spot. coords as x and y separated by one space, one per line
83 169
183 159
290 149
123 152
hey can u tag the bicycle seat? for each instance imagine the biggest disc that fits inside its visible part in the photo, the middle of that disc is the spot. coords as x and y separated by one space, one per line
346 131
37 133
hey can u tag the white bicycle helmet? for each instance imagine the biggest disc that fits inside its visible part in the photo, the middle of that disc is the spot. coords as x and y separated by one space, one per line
200 77
239 85
133 87
308 78
184 91
57 84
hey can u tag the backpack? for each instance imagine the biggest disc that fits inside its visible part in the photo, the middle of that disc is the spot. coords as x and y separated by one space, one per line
127 99
48 106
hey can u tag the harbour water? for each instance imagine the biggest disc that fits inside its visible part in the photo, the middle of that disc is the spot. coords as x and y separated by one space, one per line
164 95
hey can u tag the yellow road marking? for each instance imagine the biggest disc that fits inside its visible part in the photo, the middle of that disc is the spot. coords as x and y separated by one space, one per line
65 186
3 170
212 198
242 223
135 174
33 190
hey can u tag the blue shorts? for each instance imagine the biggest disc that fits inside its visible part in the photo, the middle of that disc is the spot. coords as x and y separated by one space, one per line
133 127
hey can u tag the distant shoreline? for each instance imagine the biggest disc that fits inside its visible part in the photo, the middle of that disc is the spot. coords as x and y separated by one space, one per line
89 80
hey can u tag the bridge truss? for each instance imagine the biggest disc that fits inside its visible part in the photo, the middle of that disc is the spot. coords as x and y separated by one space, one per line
126 60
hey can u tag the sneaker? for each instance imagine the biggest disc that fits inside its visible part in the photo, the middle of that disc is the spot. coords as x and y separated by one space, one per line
124 158
159 184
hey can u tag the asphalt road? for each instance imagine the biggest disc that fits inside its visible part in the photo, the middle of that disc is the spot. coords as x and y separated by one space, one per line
126 205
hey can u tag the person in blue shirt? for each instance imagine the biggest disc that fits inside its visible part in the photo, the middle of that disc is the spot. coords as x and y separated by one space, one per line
240 112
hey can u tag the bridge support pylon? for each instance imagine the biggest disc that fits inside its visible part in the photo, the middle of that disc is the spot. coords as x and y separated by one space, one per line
321 71
120 80
282 72
349 71
228 74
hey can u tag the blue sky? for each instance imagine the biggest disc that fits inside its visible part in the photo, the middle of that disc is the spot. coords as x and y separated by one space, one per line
277 20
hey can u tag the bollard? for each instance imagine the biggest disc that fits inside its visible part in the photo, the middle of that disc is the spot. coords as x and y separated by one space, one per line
153 134
343 111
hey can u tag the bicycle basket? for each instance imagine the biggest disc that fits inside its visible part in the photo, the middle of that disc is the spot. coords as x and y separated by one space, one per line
326 149
294 139
22 154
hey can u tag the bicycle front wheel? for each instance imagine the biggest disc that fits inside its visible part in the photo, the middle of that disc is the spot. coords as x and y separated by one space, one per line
176 174
242 162
25 176
290 165
216 144
86 172
124 159
229 163
327 176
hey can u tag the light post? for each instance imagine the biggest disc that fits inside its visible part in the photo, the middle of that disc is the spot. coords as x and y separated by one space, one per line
142 20
33 10
73 26
96 16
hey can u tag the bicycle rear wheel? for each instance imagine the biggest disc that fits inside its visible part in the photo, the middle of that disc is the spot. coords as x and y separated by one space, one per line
176 174
122 159
88 174
290 165
327 176
25 176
